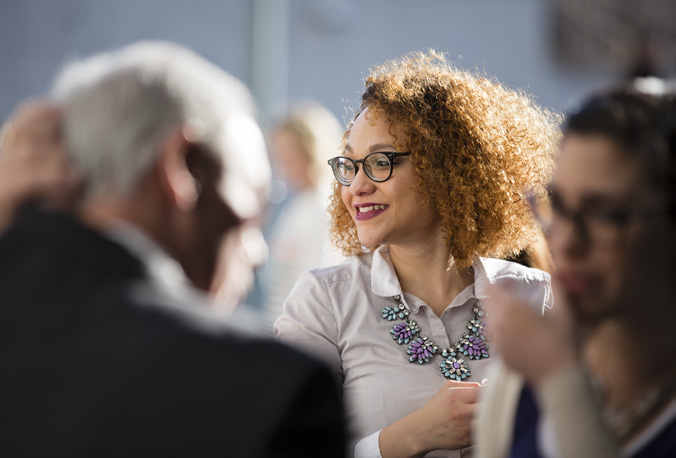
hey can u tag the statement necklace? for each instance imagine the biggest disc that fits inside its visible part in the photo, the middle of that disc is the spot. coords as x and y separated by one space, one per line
472 344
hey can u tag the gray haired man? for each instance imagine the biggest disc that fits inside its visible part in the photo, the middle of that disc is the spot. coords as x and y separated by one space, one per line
107 342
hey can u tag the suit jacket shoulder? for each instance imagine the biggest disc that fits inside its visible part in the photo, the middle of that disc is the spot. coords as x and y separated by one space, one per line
91 370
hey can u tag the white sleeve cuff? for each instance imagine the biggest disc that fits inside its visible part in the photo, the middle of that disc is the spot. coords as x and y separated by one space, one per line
368 447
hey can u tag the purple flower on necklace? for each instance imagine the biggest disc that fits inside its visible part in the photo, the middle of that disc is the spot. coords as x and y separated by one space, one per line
474 347
421 351
403 332
454 368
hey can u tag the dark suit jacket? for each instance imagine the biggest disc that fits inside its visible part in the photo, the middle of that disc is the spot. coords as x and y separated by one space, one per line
85 370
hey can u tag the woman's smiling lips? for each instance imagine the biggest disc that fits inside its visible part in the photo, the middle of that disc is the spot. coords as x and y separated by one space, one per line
369 210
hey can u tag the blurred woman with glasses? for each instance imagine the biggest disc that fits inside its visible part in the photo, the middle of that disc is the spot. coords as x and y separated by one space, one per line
598 377
427 194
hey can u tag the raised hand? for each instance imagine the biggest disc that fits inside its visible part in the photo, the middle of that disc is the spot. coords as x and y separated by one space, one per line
534 345
33 162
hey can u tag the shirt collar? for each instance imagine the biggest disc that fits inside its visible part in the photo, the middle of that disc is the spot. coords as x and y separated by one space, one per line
171 290
384 281
158 264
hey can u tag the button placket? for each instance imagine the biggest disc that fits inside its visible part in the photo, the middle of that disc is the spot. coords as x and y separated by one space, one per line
439 333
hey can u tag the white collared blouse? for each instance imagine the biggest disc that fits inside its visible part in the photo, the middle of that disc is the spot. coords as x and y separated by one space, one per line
335 313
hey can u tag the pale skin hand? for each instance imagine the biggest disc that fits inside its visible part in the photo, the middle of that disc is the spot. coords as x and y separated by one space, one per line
33 163
443 423
536 346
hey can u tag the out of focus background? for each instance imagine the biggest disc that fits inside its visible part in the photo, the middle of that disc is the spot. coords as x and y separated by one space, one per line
317 52
320 49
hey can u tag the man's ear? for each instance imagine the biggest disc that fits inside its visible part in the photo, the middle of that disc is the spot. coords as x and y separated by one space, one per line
176 181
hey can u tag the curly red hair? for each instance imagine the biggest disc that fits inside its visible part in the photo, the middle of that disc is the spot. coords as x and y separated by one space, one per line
476 148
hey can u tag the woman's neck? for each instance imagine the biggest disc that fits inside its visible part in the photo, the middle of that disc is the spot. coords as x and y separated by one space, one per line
423 271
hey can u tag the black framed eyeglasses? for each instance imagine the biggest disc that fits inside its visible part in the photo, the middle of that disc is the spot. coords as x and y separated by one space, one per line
602 224
378 167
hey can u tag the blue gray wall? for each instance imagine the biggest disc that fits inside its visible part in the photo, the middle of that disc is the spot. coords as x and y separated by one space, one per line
317 49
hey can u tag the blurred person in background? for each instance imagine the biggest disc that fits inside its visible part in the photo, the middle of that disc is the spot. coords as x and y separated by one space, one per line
107 342
597 377
297 224
427 194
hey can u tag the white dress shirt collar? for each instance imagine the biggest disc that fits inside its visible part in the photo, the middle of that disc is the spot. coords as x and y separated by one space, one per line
384 281
159 265
487 271
169 288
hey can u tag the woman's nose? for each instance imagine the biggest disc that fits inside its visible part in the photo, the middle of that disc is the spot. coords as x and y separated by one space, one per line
361 184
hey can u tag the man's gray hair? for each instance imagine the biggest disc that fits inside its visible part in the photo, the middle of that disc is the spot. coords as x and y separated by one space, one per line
120 105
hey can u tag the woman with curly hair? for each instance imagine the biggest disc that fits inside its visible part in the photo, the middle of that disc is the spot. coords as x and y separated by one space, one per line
428 193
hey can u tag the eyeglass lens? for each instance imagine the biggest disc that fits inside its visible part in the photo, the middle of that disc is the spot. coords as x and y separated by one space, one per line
376 165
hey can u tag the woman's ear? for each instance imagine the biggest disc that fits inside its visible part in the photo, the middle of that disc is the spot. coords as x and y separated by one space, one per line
177 183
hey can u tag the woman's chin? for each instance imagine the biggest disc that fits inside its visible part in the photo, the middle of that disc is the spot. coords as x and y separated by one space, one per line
368 240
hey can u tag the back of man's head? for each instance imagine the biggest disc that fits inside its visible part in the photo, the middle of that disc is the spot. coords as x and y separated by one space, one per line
166 141
120 105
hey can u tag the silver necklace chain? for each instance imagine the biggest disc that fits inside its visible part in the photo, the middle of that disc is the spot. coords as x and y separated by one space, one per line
625 421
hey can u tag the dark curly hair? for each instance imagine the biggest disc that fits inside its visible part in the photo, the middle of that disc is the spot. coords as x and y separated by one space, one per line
476 148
